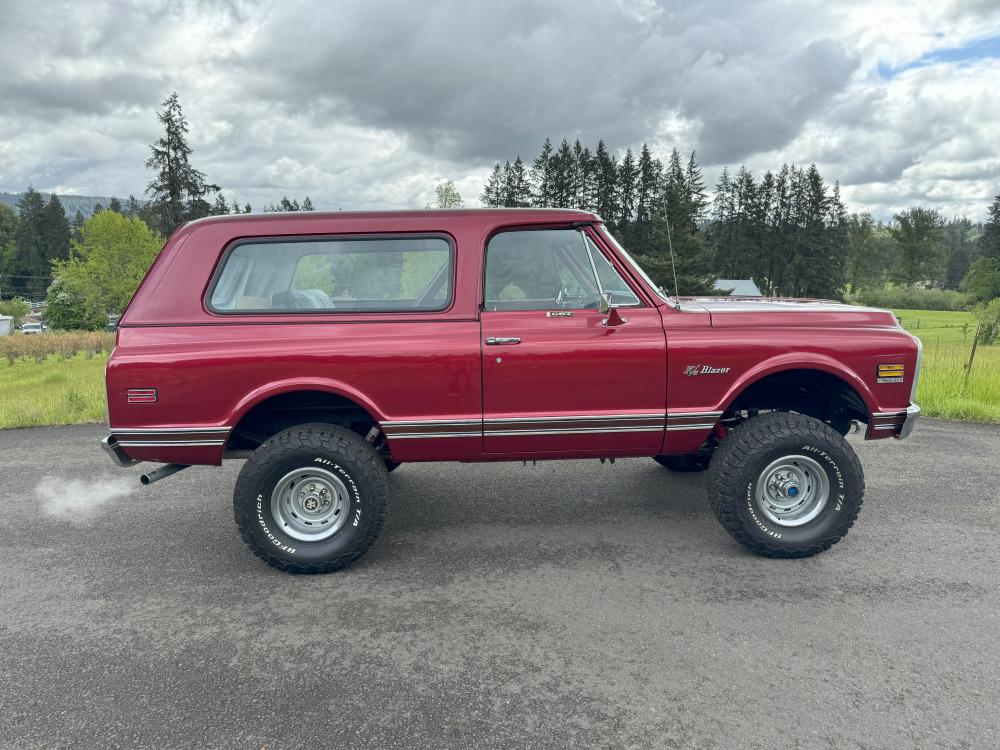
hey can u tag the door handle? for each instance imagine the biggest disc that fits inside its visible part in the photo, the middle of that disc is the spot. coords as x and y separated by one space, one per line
501 340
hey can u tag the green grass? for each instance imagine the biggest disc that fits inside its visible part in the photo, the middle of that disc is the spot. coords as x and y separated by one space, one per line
939 326
944 391
54 391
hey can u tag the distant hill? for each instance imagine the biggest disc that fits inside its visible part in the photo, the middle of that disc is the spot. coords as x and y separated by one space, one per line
71 203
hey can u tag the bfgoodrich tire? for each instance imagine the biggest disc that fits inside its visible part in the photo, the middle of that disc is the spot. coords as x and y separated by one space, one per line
312 499
785 485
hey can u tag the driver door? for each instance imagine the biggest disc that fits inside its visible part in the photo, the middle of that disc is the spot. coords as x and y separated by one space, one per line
557 380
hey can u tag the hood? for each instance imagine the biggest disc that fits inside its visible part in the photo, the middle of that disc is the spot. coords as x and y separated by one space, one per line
744 311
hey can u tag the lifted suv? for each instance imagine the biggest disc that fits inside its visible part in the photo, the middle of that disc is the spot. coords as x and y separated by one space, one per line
327 349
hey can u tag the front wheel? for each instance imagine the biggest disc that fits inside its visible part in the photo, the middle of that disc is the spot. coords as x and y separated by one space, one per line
311 499
785 485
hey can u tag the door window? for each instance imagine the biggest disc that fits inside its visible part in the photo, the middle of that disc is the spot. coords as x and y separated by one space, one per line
549 269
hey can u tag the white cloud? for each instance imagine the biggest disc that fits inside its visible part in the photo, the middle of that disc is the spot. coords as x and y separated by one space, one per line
369 103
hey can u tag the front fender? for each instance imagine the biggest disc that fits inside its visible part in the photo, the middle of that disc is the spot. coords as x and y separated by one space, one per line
798 361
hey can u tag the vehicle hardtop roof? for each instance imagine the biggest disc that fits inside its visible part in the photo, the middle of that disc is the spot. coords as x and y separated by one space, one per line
530 215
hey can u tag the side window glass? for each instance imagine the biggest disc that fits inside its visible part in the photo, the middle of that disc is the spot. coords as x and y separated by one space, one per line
546 269
336 275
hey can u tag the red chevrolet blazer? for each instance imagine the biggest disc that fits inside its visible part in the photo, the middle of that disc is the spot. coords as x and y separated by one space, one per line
328 349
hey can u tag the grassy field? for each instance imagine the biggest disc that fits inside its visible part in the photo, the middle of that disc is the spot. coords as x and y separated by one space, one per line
939 326
944 390
53 391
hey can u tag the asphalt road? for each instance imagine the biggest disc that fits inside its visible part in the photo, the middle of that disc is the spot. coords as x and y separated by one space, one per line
564 605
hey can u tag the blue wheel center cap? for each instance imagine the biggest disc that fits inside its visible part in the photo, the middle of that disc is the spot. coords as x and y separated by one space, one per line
793 491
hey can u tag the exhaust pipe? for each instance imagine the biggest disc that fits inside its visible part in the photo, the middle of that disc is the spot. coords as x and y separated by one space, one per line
162 473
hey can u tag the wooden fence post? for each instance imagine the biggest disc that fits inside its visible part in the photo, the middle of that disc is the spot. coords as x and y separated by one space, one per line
972 354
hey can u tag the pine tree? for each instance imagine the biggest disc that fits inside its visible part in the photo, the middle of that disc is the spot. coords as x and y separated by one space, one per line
220 207
674 212
115 205
518 185
132 207
247 209
55 231
982 282
97 209
919 235
695 188
178 190
78 221
605 185
506 185
492 195
563 176
989 241
8 247
30 269
961 251
579 168
307 205
541 177
627 177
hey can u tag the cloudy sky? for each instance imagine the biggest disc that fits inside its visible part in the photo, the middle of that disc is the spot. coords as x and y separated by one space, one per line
371 103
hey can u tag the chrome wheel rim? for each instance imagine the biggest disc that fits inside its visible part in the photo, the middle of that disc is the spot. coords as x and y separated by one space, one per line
310 504
792 490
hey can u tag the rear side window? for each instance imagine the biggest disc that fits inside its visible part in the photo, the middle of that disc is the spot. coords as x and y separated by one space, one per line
384 274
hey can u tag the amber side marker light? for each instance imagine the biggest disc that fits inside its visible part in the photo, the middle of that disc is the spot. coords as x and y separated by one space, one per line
889 373
141 395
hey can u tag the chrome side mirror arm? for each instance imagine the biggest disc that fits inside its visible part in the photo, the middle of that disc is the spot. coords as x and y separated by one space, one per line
605 302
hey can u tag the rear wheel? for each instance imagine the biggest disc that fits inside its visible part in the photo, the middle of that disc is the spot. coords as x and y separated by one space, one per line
685 462
311 499
785 485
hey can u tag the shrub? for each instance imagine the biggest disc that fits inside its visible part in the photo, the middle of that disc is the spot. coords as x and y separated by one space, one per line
988 314
16 307
909 298
66 309
983 280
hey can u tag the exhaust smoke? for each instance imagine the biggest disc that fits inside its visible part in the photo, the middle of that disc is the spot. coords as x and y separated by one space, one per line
79 500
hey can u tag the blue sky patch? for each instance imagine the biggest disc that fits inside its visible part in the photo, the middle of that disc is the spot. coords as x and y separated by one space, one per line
979 49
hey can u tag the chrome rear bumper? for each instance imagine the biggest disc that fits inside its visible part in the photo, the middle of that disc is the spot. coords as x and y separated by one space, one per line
117 453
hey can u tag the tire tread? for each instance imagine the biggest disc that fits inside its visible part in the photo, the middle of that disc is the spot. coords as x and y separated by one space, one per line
315 436
725 488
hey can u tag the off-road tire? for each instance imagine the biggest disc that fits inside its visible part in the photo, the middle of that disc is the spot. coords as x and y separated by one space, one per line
749 448
686 462
335 449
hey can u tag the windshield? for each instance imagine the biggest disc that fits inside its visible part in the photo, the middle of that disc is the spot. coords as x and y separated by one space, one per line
632 262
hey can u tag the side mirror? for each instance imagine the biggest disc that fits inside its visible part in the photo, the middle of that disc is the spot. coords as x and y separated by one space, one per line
605 303
606 307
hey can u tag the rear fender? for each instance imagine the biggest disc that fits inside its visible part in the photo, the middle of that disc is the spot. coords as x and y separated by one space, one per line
291 385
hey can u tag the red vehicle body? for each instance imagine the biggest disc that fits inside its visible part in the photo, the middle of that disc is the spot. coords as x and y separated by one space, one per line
187 384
